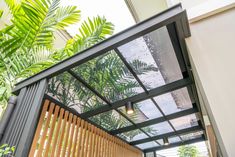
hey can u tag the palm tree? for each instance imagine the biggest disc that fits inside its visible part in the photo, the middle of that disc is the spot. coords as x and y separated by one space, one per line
26 45
26 48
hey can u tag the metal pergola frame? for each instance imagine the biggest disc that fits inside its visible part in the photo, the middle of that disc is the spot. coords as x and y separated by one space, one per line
175 20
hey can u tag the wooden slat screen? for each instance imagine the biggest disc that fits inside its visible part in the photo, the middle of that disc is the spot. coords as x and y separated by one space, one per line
62 134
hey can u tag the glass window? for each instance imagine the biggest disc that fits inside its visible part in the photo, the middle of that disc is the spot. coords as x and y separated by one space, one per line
109 76
144 110
155 49
184 122
147 145
158 129
110 120
175 101
70 92
133 135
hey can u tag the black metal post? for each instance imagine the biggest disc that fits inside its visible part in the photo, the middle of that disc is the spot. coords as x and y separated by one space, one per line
7 114
21 128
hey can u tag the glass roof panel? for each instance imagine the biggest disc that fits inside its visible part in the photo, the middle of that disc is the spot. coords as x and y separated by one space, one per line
144 110
191 136
147 145
69 91
160 141
174 101
158 129
110 120
185 122
155 49
109 76
174 139
133 135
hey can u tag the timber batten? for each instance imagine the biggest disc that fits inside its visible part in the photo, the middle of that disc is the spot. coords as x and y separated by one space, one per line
60 133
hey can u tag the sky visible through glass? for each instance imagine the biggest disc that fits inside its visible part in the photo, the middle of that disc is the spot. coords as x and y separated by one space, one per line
117 12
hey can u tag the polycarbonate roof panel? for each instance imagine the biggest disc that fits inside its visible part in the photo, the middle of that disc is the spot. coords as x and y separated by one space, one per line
108 75
70 92
110 120
185 122
174 101
147 145
144 111
154 49
133 135
158 129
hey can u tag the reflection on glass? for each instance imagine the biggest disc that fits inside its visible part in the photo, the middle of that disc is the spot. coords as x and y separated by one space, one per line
70 92
191 136
156 49
110 120
109 76
174 101
147 145
133 135
143 111
158 129
184 122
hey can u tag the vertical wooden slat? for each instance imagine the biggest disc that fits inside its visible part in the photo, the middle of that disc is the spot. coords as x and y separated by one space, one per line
51 130
39 127
44 133
95 142
79 150
64 150
57 130
91 144
76 136
87 140
97 154
83 139
72 134
58 150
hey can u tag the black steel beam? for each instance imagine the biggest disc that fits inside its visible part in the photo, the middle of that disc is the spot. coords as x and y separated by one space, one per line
86 85
171 28
140 97
166 17
170 134
154 121
175 144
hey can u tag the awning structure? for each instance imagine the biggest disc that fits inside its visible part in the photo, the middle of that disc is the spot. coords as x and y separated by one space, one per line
146 65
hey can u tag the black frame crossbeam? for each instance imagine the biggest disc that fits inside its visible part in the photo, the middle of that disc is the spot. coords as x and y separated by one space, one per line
86 85
200 139
140 97
154 121
166 17
170 134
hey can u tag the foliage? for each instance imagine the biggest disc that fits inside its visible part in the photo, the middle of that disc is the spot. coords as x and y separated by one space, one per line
26 48
188 151
26 45
6 150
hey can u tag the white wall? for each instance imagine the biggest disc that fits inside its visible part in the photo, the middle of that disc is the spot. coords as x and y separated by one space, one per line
212 50
144 9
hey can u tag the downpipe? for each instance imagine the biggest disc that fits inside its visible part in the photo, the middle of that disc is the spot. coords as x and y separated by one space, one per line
7 115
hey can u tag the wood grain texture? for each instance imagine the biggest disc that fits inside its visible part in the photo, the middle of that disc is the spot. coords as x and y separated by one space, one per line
62 134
